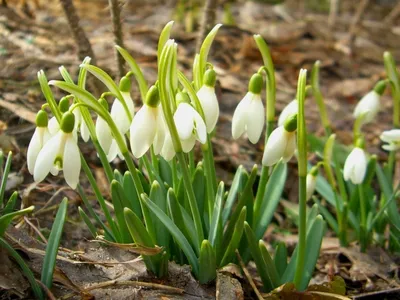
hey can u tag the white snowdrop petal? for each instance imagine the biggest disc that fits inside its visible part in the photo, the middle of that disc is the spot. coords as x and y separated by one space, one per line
255 119
33 150
120 117
46 157
360 168
187 145
113 151
275 147
84 131
53 126
370 105
72 162
103 133
168 151
290 109
184 120
209 103
391 135
391 147
239 119
143 130
311 182
201 130
290 146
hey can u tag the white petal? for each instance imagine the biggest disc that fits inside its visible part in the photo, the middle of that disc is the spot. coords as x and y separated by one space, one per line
210 106
239 119
290 146
201 130
34 148
143 130
53 126
311 182
46 157
368 104
275 147
255 119
184 120
160 132
168 151
71 162
120 117
355 166
84 131
290 109
78 118
391 147
187 145
113 151
391 136
103 133
129 102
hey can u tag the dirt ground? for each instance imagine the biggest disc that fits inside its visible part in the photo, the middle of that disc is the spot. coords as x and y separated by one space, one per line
298 34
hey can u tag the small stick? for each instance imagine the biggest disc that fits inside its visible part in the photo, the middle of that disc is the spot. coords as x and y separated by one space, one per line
248 276
355 22
49 294
115 10
135 283
208 20
394 13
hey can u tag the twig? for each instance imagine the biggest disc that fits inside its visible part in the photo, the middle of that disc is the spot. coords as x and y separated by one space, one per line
43 209
208 20
49 294
394 13
355 22
35 229
248 276
115 10
81 40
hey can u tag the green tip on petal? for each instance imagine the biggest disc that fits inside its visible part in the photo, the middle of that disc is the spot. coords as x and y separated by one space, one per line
182 97
125 84
380 87
210 77
103 102
153 96
42 119
67 122
360 142
255 84
290 124
63 105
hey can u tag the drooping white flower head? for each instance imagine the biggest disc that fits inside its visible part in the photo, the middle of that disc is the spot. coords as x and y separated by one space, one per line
249 116
289 110
189 124
281 144
392 137
61 152
168 150
369 105
311 182
355 166
208 100
148 127
39 139
63 106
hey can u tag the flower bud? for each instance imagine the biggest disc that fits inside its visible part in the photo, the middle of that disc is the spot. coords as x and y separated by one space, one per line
182 97
153 96
290 123
210 77
255 84
67 122
42 119
63 105
125 84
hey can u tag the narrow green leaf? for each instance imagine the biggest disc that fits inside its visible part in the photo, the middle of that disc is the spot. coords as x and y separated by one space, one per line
10 206
65 74
258 258
25 269
199 187
175 232
164 37
312 213
272 271
158 197
49 260
215 234
280 258
207 263
87 221
5 220
3 183
238 183
271 198
83 72
234 240
130 191
387 189
333 224
118 199
165 171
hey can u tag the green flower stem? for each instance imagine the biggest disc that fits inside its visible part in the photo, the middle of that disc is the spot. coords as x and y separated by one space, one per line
192 165
174 171
363 225
148 166
319 98
154 159
302 170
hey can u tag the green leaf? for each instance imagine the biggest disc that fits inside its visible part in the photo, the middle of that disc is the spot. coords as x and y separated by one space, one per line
387 189
271 198
164 37
165 171
238 184
5 220
158 197
130 191
383 209
258 258
49 260
333 224
87 221
3 183
312 213
234 239
83 72
215 234
280 258
118 199
199 187
207 263
175 232
25 269
10 206
272 271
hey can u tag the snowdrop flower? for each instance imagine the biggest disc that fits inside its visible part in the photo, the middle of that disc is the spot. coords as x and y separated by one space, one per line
311 182
39 139
63 105
168 150
369 105
281 143
148 127
61 152
80 125
392 137
189 124
355 166
249 115
289 110
208 100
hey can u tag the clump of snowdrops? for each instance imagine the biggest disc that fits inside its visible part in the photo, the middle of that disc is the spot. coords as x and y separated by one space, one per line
166 200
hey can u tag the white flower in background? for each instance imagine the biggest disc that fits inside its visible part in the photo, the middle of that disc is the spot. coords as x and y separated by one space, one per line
168 150
80 125
61 152
311 182
189 124
39 139
208 100
249 116
355 166
369 106
119 115
289 110
54 126
392 137
281 144
148 127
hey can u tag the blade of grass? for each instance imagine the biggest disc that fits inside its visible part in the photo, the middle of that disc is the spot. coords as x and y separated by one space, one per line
207 263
